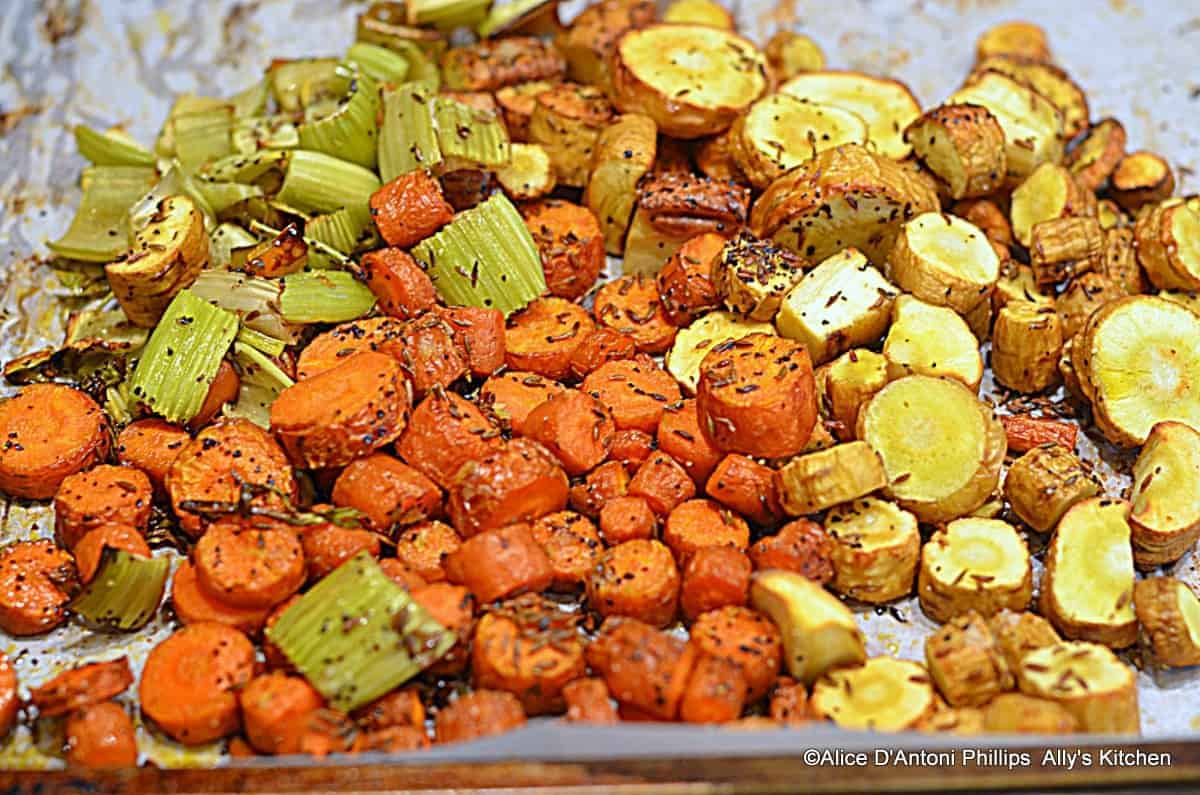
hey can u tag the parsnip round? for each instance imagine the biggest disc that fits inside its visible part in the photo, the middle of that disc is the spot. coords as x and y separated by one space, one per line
876 545
974 564
1169 613
1088 681
779 132
884 694
945 261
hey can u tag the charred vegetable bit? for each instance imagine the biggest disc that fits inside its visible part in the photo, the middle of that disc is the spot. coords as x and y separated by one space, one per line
125 592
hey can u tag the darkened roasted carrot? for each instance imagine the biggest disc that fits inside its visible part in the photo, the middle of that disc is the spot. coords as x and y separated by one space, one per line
1025 433
37 579
79 687
513 394
663 483
452 606
276 659
627 518
634 390
478 714
789 702
329 349
571 543
631 448
209 474
102 495
714 577
631 305
680 437
430 357
684 284
344 413
193 604
223 389
392 740
519 482
402 288
543 336
499 563
425 547
571 244
606 482
275 709
530 648
151 446
402 574
327 546
327 731
190 680
801 546
588 701
401 707
447 431
715 692
746 486
250 563
696 524
387 491
479 334
10 699
101 736
410 208
91 547
575 427
644 668
601 346
47 432
746 638
637 579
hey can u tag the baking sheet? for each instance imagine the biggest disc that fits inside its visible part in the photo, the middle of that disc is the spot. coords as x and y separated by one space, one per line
121 61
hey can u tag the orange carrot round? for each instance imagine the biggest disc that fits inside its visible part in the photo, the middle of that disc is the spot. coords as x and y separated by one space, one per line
543 336
499 563
569 239
479 714
575 427
329 349
479 334
519 482
635 391
387 492
606 482
81 686
680 437
447 431
684 284
424 548
512 395
47 432
452 606
101 736
275 707
631 447
601 346
696 524
714 577
102 495
571 543
36 580
401 707
410 208
632 305
645 669
715 692
151 446
746 638
223 389
588 701
327 546
801 546
637 579
193 604
251 564
663 483
626 518
403 289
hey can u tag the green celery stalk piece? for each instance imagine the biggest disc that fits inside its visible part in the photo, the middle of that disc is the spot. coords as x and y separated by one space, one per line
326 296
98 232
317 182
110 149
382 64
408 140
349 132
125 592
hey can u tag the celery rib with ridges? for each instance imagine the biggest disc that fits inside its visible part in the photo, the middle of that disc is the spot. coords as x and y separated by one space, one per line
183 355
110 148
319 183
324 297
469 137
447 14
379 63
408 140
484 257
356 635
349 131
98 232
125 592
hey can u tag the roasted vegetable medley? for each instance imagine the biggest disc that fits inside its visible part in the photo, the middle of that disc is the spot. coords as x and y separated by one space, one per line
360 404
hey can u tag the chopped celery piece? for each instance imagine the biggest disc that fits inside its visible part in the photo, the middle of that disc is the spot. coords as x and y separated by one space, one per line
297 84
110 148
175 182
98 232
182 357
220 196
320 183
408 140
253 299
382 64
356 634
349 131
506 17
79 279
469 137
202 137
447 14
251 101
324 297
118 405
264 132
265 168
185 104
226 239
342 231
261 383
484 257
125 592
260 342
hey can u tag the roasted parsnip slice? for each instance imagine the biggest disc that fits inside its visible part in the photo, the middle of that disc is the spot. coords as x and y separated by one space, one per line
699 12
1168 244
963 145
166 256
1017 713
942 448
961 722
1141 178
753 275
693 343
1027 342
780 131
691 79
1092 161
883 694
1033 126
567 120
1048 80
850 381
516 104
1088 681
1019 632
816 481
931 340
1043 483
1016 283
1139 364
967 665
974 564
1063 248
876 545
887 106
1119 262
841 303
624 153
1169 613
589 42
1081 299
529 173
945 261
790 53
1047 193
1022 39
844 197
1166 480
1087 589
819 632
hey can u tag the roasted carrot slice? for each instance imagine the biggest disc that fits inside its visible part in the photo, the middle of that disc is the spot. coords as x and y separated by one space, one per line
604 483
479 334
680 437
447 431
151 446
715 692
499 563
118 536
531 648
430 357
714 577
327 546
684 284
276 659
392 740
410 208
588 701
36 580
601 346
48 432
10 700
746 486
101 736
575 427
627 518
512 395
190 680
632 305
543 336
571 244
344 413
478 714
637 579
746 638
387 491
78 687
208 476
275 710
251 563
326 351
801 546
631 448
193 604
452 606
403 289
402 574
424 548
634 390
519 482
571 543
1025 433
399 708
789 701
223 389
327 731
102 495
696 524
644 668
663 482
